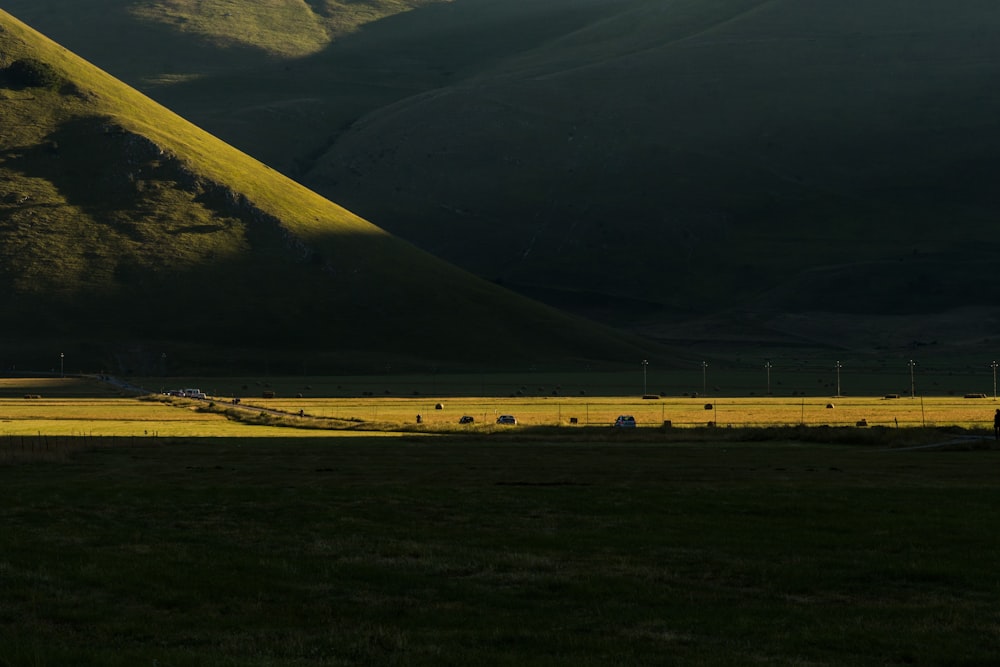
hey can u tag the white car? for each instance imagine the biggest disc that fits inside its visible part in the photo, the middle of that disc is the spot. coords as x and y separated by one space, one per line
625 421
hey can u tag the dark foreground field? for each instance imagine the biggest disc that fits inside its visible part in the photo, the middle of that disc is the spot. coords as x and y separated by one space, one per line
427 551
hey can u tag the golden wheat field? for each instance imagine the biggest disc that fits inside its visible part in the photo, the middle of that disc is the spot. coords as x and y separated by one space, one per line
680 412
74 407
65 407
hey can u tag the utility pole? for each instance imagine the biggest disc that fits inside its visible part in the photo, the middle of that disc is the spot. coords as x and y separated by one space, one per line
838 367
912 390
767 367
994 367
62 359
645 363
704 377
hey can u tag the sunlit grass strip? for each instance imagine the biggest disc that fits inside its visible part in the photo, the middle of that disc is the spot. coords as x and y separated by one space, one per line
130 417
286 29
55 387
219 428
111 409
280 417
680 412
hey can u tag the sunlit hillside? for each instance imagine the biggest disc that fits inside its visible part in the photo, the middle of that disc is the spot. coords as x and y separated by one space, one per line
280 27
129 236
748 170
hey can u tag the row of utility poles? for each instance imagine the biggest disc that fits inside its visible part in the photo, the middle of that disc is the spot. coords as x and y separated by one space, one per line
837 366
704 375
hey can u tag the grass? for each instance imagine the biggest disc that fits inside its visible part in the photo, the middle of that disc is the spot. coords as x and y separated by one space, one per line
736 186
778 226
50 387
202 38
736 395
171 219
418 552
601 411
39 419
284 29
40 408
712 204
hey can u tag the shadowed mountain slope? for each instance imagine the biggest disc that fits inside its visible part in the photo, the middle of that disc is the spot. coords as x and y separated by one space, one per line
128 234
781 156
743 168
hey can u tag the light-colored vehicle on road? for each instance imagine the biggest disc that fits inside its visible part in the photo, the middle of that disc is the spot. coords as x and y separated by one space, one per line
625 421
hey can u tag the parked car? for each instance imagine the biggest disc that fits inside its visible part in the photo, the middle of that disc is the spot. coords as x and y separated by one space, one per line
506 419
625 421
466 419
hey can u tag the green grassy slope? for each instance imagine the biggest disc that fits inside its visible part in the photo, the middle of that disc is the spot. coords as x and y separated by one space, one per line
127 232
194 36
780 155
254 74
649 162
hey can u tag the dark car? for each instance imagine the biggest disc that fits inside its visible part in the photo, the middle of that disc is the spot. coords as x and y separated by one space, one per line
625 421
466 419
506 419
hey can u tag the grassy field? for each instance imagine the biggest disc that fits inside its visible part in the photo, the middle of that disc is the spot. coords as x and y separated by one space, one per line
51 424
723 412
231 551
213 542
596 398
83 407
71 408
121 418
